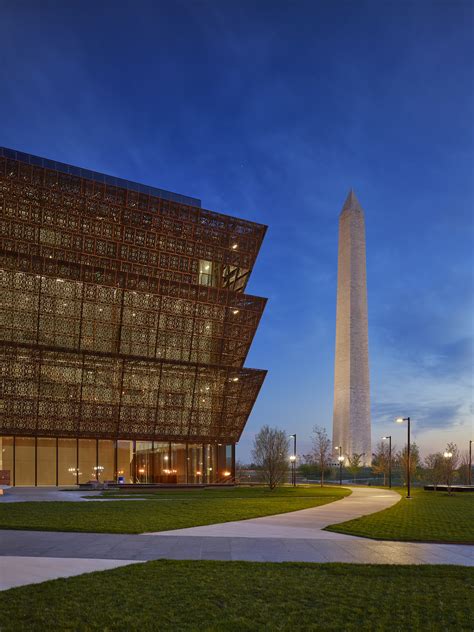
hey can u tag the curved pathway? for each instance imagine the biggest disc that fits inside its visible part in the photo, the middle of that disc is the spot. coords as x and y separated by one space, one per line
306 523
290 537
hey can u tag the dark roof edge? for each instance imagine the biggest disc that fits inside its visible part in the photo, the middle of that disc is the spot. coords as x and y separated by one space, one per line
63 167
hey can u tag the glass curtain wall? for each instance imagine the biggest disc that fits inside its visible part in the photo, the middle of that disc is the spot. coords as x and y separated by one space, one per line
178 463
195 463
25 461
144 463
46 461
125 462
66 461
106 463
6 460
210 463
161 462
87 460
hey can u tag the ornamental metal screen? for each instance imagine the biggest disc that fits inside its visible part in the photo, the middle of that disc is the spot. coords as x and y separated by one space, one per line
122 315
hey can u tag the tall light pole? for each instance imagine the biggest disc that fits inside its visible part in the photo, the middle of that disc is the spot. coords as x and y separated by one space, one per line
293 460
448 455
400 420
470 462
340 458
389 460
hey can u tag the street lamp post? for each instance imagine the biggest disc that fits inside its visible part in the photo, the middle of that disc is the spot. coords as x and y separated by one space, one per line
293 460
389 460
340 458
448 455
400 420
470 462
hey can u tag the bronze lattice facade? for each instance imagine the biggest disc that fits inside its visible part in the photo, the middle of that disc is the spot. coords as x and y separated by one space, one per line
123 321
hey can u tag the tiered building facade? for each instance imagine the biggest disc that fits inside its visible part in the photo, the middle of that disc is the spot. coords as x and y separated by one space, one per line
124 328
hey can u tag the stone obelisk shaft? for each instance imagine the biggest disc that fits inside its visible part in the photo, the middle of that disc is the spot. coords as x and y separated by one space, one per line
351 422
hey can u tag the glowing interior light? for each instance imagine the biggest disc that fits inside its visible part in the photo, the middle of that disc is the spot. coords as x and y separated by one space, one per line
235 311
235 379
226 473
234 246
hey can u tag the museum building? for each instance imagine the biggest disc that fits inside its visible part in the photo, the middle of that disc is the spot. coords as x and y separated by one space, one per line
124 328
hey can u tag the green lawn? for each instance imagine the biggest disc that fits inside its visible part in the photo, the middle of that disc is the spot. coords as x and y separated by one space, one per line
181 595
427 517
165 509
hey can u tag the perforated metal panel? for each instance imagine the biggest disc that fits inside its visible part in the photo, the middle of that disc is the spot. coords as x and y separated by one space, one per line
122 315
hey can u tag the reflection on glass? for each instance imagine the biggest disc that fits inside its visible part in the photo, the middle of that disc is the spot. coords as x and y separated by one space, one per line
106 464
46 461
161 462
143 461
87 460
6 460
210 463
24 461
178 462
195 463
125 461
67 461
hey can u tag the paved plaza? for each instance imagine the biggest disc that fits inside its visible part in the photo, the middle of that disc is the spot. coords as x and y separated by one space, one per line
35 556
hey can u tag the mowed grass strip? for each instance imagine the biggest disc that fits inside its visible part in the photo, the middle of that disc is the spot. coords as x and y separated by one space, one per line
182 595
164 510
426 517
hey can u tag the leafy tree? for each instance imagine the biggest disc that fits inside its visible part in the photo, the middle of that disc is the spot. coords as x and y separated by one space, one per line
321 450
270 453
402 460
434 467
354 463
450 464
310 468
381 460
464 467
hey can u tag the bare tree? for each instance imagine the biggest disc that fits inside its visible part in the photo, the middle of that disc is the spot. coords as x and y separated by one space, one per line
270 453
434 467
321 450
451 463
354 463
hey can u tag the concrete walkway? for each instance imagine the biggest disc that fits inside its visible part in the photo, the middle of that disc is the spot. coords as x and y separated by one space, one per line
19 571
296 537
304 524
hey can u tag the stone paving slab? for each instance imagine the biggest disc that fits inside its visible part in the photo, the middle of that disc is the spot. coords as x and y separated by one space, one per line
31 556
20 571
139 547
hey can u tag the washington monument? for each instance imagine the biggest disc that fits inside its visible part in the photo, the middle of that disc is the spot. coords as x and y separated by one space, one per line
351 422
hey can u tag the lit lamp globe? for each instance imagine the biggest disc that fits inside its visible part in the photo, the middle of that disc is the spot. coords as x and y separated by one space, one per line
292 458
340 458
448 455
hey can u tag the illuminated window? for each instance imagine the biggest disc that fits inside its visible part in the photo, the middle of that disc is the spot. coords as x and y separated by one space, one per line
205 272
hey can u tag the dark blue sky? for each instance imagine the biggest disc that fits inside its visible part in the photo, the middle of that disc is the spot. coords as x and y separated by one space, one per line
272 111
